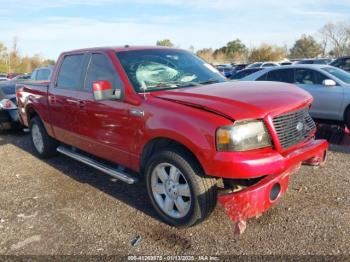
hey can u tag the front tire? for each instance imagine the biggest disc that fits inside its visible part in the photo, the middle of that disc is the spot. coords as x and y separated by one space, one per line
178 189
44 145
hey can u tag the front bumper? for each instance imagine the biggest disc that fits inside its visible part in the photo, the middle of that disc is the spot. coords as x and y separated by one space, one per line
256 199
253 201
257 163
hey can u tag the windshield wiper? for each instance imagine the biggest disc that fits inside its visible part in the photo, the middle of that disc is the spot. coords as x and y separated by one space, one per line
179 84
174 84
209 81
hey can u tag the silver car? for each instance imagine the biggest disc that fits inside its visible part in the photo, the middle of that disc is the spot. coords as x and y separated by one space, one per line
330 87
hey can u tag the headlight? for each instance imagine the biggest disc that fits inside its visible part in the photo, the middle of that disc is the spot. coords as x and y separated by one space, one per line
7 104
243 136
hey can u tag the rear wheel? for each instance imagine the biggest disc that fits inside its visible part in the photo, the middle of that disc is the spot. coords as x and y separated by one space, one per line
44 145
178 189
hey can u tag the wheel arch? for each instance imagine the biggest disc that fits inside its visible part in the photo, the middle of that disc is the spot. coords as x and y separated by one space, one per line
158 143
31 113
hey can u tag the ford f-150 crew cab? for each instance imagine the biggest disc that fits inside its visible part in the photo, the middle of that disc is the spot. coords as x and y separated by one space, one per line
167 116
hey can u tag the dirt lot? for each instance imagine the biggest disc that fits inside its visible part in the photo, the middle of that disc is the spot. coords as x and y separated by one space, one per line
63 207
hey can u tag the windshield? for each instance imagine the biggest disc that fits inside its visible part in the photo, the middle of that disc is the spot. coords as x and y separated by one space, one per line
152 70
338 73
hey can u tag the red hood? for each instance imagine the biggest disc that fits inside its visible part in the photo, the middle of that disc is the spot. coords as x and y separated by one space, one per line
241 100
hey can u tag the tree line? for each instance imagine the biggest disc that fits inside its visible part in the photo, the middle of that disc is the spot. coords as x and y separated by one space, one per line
11 60
332 40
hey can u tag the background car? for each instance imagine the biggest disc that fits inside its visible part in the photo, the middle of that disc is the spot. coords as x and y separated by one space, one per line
8 104
22 77
42 73
342 62
12 75
262 64
238 67
3 77
245 72
320 61
225 69
8 109
286 63
330 87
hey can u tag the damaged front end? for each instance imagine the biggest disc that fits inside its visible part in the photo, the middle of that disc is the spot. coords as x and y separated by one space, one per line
249 199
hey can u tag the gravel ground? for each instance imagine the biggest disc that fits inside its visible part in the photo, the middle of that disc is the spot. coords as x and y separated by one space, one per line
60 207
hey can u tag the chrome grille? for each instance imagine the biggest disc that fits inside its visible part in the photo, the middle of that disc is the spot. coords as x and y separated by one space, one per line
293 127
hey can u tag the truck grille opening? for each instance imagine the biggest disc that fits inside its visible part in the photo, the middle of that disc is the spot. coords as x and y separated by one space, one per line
294 127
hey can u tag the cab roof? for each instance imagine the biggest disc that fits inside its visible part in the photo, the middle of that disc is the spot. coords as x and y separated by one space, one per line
120 48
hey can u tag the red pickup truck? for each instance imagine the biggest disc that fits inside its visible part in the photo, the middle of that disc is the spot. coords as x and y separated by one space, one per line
169 117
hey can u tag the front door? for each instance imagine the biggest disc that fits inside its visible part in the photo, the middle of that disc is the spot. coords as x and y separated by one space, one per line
104 126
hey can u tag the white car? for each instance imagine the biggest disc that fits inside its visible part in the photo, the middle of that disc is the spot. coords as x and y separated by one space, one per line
330 87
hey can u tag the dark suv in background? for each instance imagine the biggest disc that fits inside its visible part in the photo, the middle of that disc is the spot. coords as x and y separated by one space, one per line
342 62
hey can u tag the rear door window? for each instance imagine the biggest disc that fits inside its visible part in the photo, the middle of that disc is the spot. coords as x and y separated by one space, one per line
282 75
70 74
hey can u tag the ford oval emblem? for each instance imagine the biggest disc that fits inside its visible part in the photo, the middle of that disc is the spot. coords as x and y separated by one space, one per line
300 126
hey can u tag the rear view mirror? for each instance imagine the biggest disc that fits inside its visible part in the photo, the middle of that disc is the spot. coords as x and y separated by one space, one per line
103 91
329 82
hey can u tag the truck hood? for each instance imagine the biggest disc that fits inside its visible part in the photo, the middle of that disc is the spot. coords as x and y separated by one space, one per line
240 100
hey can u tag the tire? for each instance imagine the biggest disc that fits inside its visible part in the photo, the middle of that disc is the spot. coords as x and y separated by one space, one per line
194 195
44 145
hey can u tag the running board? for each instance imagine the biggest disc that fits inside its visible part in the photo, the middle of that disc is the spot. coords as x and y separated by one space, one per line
97 165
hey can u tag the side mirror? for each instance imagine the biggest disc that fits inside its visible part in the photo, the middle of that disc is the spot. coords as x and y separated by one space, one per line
103 91
329 82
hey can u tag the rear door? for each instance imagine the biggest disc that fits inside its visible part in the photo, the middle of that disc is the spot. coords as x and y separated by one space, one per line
105 127
64 98
327 99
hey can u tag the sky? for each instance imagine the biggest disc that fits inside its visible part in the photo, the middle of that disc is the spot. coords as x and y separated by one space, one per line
49 27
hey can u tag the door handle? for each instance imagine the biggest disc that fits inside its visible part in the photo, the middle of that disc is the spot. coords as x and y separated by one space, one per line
72 101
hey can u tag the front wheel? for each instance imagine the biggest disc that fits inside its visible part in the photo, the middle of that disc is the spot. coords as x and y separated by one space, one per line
178 189
44 145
